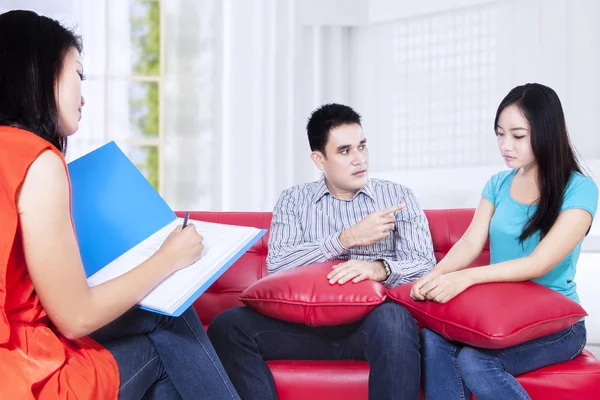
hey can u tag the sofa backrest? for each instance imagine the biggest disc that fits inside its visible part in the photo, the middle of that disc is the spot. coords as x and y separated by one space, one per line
446 226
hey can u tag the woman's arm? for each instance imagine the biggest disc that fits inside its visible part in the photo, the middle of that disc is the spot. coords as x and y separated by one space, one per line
54 264
568 230
464 252
469 246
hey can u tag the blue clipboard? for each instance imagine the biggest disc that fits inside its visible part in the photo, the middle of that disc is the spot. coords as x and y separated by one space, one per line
115 208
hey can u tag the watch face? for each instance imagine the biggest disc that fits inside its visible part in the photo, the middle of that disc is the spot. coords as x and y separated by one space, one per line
388 270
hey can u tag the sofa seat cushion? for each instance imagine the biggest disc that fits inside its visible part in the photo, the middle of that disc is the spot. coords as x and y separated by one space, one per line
321 380
348 380
576 379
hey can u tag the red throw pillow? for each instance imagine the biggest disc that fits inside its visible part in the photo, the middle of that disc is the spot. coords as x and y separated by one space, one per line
303 295
494 315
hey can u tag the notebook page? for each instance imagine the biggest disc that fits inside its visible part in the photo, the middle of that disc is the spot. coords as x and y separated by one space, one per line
221 242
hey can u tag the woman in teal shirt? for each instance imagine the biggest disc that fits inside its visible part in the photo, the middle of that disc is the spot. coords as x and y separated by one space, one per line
536 214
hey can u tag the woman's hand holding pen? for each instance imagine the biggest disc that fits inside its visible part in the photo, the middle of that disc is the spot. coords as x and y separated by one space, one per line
183 246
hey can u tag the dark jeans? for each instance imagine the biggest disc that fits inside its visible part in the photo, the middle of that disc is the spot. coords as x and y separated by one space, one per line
452 370
387 338
162 357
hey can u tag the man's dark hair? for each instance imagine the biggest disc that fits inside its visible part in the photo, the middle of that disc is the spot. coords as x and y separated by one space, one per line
325 118
32 51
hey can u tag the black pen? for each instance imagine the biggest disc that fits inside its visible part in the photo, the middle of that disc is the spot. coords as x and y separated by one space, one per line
185 220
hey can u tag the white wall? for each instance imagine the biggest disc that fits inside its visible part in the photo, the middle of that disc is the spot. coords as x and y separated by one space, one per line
276 70
551 42
54 9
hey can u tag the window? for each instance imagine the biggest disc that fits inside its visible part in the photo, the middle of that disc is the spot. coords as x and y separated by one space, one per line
444 98
124 66
151 88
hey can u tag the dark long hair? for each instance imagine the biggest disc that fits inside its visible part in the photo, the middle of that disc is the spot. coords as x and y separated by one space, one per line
552 148
32 51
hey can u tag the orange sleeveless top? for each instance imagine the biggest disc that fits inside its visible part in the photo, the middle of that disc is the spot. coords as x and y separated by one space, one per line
36 361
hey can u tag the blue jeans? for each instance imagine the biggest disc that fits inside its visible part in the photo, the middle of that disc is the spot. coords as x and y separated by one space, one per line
387 338
452 370
162 357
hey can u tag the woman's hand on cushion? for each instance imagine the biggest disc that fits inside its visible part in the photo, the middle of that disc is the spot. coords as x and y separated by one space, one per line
445 287
415 292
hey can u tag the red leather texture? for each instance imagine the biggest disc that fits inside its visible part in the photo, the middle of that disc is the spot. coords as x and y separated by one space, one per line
467 317
304 295
316 380
578 379
347 380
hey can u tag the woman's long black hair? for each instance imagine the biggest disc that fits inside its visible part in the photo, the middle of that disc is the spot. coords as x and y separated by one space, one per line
552 148
32 51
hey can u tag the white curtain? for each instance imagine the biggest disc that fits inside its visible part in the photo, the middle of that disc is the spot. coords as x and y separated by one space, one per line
275 71
190 96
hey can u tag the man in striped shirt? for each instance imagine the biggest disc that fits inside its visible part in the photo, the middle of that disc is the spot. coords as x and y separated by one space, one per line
378 227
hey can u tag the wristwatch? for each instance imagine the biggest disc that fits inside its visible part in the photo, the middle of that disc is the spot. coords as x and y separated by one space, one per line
388 270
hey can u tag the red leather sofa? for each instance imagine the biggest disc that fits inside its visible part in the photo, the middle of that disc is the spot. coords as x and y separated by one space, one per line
347 380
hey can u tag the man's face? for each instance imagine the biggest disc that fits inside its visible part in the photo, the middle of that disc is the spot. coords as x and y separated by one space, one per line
345 161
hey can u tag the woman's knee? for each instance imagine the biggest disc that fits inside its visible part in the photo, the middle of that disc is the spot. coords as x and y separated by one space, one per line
139 364
433 341
165 321
473 362
435 346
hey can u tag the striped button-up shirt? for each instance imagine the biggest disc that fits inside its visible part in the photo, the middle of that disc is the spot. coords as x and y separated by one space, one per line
308 220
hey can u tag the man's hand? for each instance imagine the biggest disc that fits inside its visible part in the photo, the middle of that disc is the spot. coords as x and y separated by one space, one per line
446 287
357 271
415 291
371 229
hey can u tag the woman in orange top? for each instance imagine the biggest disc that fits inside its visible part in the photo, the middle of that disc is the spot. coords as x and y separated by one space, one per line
46 306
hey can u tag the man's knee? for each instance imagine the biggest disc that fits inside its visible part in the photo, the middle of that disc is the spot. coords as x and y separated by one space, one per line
390 322
231 325
223 322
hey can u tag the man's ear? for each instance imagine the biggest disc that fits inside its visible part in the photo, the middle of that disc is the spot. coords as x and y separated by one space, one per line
318 158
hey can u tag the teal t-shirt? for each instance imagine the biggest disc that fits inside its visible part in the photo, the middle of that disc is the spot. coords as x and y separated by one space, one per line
510 218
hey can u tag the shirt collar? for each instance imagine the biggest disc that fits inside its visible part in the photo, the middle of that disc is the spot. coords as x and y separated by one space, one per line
322 190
